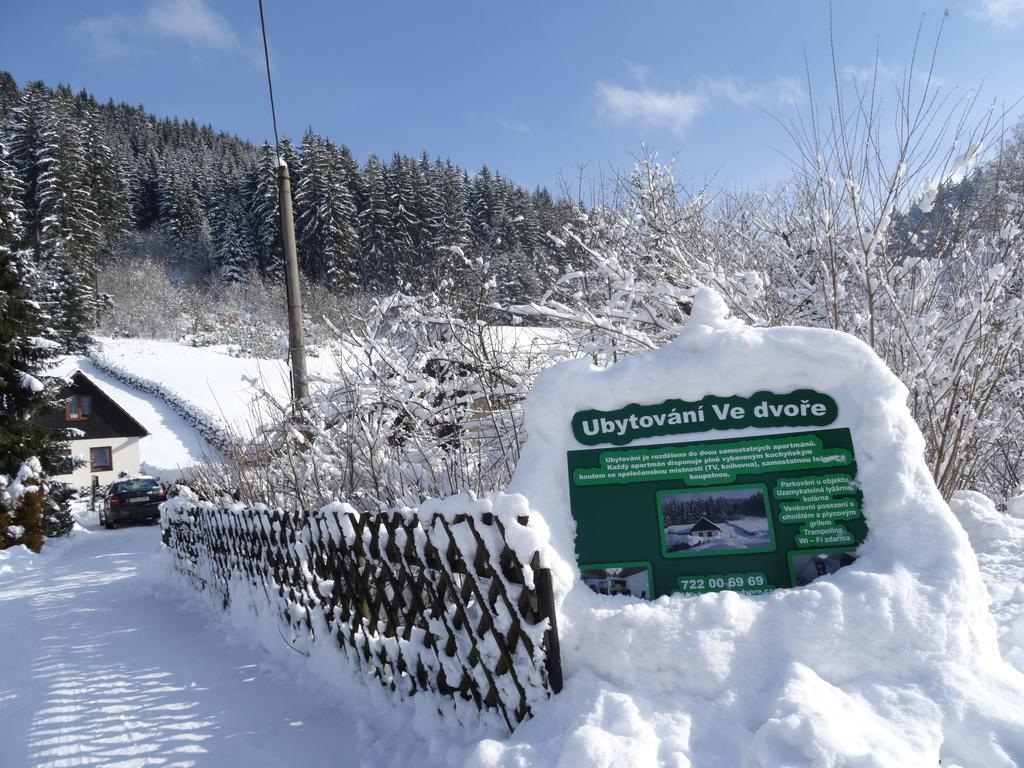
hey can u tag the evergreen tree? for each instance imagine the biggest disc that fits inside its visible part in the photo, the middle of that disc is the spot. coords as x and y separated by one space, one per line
426 185
145 189
379 273
103 176
181 209
264 214
27 126
404 225
230 233
91 172
9 96
481 207
328 240
24 353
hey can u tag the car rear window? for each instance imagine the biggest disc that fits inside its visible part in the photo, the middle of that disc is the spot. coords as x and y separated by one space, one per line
134 485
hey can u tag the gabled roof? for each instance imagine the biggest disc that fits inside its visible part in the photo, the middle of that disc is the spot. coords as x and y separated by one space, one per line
106 419
704 525
118 417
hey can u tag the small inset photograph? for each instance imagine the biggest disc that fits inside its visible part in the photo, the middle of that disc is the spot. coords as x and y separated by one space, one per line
716 520
628 579
808 566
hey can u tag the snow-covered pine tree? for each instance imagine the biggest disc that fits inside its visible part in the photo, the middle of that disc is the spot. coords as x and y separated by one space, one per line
145 187
378 272
28 121
481 205
328 239
229 230
455 229
517 275
264 214
104 177
453 237
9 96
68 235
181 208
24 352
354 179
341 247
549 217
404 225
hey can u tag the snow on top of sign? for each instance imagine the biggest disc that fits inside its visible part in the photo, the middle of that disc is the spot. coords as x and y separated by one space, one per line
892 660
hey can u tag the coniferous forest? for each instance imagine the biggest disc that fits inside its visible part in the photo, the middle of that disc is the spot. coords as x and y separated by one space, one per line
88 175
687 509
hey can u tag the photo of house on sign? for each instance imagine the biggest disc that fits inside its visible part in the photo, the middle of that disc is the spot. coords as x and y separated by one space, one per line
810 566
632 580
718 521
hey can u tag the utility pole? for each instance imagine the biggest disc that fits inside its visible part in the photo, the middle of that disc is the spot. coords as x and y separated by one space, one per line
296 335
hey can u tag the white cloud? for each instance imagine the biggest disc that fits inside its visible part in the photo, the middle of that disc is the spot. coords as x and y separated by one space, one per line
676 110
881 74
193 22
514 126
672 109
877 71
780 92
1003 13
188 21
638 72
109 36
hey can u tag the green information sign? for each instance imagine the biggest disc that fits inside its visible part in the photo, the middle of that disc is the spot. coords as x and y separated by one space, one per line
751 514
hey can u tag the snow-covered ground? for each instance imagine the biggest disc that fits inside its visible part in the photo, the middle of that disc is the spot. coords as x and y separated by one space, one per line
102 668
226 386
99 672
998 541
209 377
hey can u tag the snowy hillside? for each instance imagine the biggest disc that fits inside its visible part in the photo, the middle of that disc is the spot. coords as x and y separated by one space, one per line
223 385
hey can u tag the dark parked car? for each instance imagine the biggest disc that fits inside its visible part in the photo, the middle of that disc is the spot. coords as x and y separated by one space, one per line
133 499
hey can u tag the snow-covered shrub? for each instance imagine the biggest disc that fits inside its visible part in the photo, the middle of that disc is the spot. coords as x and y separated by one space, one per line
248 314
22 500
427 404
57 517
135 295
633 267
862 240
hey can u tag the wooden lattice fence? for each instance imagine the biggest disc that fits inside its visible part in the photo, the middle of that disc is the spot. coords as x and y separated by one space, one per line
424 602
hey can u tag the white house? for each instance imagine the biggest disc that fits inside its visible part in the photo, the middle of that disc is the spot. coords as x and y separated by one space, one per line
705 529
619 581
105 436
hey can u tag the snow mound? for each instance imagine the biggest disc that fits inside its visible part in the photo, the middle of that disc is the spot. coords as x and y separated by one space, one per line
998 540
985 525
893 660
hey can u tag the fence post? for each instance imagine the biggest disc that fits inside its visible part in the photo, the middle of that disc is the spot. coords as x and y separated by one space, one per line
546 605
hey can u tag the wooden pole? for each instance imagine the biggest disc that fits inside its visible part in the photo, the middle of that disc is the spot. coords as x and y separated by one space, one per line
546 608
296 335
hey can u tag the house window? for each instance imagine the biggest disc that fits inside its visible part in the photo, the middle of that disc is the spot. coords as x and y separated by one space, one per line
101 459
79 407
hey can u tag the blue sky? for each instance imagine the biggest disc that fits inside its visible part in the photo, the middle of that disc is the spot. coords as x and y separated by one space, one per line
533 89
